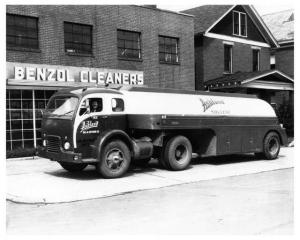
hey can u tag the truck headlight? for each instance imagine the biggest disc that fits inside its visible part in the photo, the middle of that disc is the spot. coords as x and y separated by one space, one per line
67 146
44 143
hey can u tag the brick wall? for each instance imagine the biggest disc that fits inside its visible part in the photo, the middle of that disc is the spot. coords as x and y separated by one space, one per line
285 60
211 54
106 19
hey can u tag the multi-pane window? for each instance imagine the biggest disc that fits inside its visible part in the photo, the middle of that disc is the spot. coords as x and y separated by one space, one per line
22 31
227 58
23 117
78 38
129 44
255 61
239 24
168 49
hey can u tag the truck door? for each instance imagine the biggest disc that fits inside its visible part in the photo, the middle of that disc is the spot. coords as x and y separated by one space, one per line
90 121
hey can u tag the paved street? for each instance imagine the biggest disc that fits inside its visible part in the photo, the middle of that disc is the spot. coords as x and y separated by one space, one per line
259 203
43 181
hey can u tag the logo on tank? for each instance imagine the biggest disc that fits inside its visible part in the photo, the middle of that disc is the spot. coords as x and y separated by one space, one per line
87 126
206 104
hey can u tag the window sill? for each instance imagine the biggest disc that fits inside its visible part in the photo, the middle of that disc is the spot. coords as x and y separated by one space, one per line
130 59
79 54
169 63
22 49
241 36
227 73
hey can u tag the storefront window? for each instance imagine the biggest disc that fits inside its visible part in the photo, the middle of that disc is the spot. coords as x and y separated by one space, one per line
23 117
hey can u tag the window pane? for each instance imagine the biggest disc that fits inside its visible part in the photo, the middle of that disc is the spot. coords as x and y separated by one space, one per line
78 38
16 124
227 58
28 134
15 114
129 44
49 93
15 94
8 135
16 144
168 49
28 144
27 94
39 94
17 134
7 125
27 104
235 23
22 31
15 104
28 124
27 114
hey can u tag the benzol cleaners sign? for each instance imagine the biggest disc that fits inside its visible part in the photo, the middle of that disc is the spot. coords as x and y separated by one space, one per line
54 73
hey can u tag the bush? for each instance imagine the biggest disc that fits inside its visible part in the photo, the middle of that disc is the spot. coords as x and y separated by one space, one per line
21 152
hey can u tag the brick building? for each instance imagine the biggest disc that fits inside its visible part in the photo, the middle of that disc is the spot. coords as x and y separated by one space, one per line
233 48
53 46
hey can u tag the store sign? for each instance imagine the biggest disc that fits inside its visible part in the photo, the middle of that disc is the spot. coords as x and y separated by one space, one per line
53 73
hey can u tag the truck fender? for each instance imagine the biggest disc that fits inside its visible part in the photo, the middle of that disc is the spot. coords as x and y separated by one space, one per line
105 136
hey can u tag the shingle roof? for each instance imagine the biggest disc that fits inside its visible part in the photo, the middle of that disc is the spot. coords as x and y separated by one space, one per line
281 24
206 15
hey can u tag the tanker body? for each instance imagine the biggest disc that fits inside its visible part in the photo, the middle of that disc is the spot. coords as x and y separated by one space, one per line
135 124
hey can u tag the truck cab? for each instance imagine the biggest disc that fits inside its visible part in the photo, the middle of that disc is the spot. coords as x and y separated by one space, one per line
76 120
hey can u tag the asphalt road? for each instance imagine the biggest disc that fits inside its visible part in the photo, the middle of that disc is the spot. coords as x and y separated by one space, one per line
260 203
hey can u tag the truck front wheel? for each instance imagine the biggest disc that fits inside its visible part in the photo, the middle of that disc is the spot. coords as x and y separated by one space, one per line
77 167
177 153
114 160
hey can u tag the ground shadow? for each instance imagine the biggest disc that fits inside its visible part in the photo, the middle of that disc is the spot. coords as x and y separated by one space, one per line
90 172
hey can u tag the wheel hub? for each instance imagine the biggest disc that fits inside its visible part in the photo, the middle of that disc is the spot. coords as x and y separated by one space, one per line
114 159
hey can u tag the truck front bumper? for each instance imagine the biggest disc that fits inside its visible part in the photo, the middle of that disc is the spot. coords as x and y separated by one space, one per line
68 157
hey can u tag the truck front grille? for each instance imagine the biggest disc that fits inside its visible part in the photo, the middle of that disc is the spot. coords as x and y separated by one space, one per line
53 144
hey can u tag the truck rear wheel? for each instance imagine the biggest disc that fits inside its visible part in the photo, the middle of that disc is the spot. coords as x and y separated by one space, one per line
177 153
71 167
115 159
271 146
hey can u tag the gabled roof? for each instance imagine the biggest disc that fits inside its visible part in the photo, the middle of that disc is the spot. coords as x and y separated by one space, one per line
207 15
240 78
281 25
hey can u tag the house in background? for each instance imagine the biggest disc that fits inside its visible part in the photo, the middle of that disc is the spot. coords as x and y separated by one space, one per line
281 24
233 47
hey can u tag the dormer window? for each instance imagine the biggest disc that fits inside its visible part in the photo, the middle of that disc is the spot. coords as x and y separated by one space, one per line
239 24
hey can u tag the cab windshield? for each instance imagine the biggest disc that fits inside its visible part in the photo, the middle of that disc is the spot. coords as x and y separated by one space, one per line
62 105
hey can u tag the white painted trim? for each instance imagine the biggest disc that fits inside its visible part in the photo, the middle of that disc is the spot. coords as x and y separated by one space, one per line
255 47
264 25
228 43
219 19
34 118
266 74
236 39
269 85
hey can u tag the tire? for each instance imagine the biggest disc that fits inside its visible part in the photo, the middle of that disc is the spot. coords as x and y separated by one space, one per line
177 153
71 167
114 160
141 162
271 146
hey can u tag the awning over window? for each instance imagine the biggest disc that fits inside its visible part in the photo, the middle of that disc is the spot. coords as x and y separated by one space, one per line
270 79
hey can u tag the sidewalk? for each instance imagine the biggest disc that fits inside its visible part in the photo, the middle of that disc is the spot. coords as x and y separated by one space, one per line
43 181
